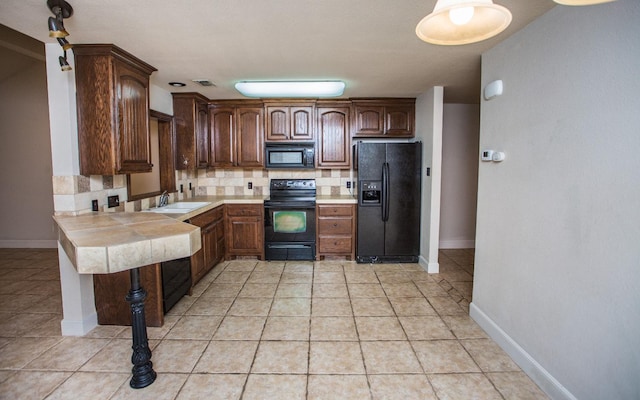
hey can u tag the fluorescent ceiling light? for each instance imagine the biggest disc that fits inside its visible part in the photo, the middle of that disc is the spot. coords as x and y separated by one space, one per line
581 2
455 22
291 88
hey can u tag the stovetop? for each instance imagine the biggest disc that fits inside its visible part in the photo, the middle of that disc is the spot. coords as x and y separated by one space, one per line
292 190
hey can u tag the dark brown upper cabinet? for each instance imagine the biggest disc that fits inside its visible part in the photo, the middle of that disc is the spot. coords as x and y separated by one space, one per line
237 135
334 142
383 117
191 112
289 121
112 89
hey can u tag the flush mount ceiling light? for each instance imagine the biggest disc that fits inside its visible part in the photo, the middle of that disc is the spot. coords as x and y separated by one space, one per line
61 9
581 2
291 88
455 22
177 84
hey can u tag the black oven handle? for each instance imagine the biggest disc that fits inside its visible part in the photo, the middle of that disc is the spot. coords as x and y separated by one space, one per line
289 205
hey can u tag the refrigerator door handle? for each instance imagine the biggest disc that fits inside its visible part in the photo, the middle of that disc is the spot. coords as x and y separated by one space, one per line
385 191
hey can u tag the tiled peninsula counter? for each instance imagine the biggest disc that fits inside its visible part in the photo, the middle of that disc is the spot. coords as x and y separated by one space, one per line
103 243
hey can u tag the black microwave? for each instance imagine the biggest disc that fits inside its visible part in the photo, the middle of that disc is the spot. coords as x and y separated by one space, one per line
290 155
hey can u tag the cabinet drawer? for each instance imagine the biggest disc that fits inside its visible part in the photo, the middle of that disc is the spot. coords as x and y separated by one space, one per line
207 217
330 244
335 226
244 211
334 210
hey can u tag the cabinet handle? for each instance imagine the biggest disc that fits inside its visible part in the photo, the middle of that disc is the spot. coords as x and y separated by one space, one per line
335 225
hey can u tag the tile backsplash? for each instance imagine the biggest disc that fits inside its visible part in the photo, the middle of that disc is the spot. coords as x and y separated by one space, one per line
73 194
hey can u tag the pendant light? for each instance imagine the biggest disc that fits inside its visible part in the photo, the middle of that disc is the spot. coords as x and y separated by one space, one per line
455 22
581 2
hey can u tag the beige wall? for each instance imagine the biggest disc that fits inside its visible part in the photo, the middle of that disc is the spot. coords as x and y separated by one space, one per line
557 262
460 135
25 160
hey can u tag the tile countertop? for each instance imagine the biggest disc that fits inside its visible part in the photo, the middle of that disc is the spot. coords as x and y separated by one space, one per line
341 199
102 243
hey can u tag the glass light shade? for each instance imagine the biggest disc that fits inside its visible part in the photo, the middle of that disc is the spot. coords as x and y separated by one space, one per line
581 2
291 88
486 21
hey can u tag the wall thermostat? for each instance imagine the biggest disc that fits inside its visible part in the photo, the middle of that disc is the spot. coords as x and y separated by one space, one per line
486 155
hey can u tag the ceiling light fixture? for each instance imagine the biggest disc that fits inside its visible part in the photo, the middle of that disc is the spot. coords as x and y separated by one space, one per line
581 2
455 22
291 88
61 9
177 84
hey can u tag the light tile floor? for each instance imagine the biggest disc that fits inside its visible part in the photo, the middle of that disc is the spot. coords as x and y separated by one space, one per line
266 330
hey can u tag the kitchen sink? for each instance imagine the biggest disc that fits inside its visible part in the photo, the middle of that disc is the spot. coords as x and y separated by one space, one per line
181 207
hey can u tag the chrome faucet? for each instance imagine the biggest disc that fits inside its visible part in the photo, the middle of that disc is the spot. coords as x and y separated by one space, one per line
164 199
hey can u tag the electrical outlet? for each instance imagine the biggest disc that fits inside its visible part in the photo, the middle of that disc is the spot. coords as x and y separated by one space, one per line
113 201
250 185
348 184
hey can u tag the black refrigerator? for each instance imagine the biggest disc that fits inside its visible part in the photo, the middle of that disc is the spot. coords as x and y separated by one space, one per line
389 185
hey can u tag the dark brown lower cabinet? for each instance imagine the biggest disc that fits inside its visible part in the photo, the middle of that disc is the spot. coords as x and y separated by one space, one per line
244 231
110 291
211 225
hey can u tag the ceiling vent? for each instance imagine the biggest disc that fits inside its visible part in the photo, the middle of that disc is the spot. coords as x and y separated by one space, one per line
204 82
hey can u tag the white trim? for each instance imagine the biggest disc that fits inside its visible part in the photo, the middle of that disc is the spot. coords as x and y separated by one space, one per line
28 244
529 365
457 244
432 268
79 328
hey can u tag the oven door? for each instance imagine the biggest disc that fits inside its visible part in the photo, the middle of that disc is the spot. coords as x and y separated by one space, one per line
290 231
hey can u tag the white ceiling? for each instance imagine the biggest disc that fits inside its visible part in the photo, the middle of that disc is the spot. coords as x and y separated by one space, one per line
370 44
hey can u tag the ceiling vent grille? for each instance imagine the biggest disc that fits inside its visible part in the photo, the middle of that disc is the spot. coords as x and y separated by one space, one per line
204 82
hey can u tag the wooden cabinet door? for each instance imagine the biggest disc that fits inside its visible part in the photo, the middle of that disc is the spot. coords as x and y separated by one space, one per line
333 137
202 134
132 129
220 244
244 230
112 100
302 123
285 123
369 120
209 243
399 120
278 126
250 136
222 137
110 291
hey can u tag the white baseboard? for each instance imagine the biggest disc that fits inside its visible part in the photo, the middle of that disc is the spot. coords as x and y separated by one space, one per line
432 268
529 365
28 244
457 244
79 328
